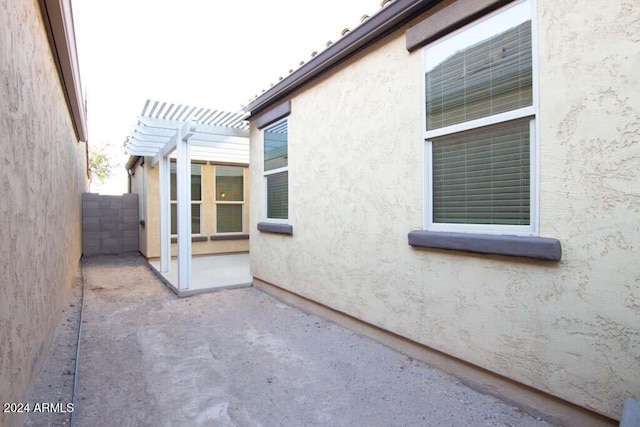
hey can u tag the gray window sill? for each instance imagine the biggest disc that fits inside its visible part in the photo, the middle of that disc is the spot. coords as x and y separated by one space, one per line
193 239
275 227
229 237
517 246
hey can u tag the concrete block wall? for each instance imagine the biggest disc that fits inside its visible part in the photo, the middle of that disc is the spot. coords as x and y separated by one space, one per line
109 224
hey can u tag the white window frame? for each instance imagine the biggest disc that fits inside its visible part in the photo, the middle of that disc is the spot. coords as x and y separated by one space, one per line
273 172
193 202
531 111
224 202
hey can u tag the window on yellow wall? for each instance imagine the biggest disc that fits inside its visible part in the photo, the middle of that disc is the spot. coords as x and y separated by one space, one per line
480 126
276 171
229 199
196 199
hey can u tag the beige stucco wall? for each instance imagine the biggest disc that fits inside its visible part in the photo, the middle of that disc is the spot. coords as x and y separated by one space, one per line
42 176
150 234
570 328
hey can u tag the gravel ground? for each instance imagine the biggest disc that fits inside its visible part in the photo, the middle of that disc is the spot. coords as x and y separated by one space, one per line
54 383
242 358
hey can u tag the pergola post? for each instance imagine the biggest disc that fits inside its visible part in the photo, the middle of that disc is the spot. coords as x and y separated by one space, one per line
183 178
165 222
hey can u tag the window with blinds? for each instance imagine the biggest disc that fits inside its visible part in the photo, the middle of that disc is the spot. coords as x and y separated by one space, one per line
490 77
276 171
229 199
482 177
196 198
479 115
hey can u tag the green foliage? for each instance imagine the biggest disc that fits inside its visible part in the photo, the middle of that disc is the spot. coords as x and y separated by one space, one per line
100 162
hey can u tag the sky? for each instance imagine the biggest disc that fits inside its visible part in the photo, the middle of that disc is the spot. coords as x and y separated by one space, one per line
208 53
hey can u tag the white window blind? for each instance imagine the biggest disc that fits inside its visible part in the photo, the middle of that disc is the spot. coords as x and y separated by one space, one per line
482 177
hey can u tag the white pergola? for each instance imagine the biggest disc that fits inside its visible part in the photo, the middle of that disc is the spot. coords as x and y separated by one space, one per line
165 130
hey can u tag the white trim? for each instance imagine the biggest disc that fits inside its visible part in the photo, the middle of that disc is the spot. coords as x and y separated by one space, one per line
531 111
481 122
278 170
427 215
534 178
183 184
516 230
165 216
214 135
535 141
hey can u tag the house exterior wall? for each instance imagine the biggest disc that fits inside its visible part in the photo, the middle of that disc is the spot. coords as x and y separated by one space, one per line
42 175
150 233
569 328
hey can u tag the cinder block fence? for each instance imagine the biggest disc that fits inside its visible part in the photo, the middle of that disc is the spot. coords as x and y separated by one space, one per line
109 224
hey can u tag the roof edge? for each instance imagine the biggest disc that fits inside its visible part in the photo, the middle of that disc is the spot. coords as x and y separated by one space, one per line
58 20
133 159
387 20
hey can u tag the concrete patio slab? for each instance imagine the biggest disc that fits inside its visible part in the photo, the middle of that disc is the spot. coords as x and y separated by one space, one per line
243 358
209 273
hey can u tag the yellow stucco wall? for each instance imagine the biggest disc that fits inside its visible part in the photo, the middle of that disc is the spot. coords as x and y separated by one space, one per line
42 176
569 328
150 234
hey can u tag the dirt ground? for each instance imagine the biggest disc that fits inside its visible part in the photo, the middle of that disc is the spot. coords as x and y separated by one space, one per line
238 358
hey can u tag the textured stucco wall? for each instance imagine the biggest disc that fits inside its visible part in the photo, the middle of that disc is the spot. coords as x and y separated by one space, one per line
42 174
152 229
355 173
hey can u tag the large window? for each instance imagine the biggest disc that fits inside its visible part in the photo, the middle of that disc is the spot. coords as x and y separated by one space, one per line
229 199
196 199
480 122
276 171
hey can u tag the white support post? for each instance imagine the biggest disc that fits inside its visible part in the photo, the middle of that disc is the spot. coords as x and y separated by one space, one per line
183 178
165 220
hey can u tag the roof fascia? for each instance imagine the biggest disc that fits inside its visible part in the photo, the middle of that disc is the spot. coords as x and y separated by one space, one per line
381 24
58 20
132 162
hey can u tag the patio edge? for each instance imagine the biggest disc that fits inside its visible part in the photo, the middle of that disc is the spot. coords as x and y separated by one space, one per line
183 293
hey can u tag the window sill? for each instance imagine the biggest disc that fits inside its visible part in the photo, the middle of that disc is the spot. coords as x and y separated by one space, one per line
193 239
517 246
229 237
275 227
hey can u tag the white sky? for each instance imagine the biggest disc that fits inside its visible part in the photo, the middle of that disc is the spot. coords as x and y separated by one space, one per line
209 53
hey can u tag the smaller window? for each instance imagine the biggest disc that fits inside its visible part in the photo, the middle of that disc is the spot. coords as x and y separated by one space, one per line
196 199
229 199
276 171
